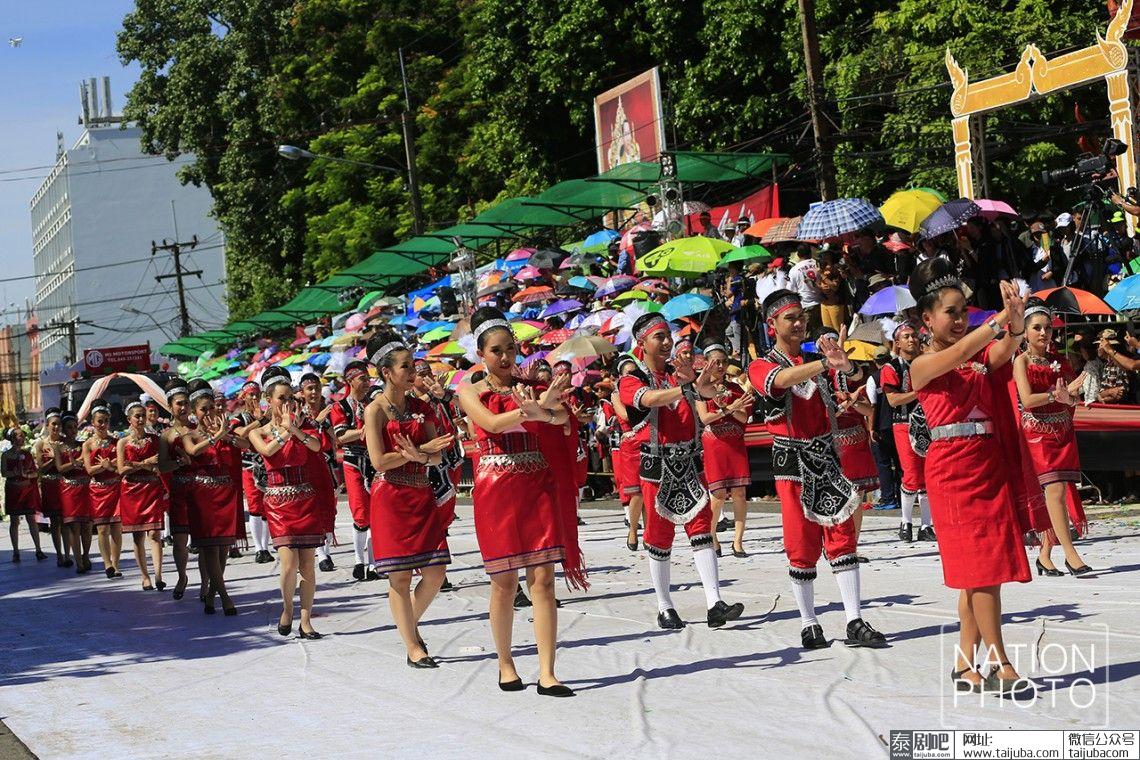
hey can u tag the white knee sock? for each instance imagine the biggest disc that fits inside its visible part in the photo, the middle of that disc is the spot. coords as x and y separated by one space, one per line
906 506
804 592
848 581
705 560
659 574
259 530
360 541
924 508
323 550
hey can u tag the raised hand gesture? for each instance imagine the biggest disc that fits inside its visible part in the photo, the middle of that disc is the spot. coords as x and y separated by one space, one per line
438 444
832 349
524 397
407 449
1014 305
1061 394
684 372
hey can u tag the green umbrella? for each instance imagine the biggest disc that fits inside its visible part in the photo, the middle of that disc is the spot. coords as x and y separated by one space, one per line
438 334
368 299
684 257
757 253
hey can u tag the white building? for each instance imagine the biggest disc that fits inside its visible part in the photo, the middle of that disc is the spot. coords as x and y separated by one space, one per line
103 204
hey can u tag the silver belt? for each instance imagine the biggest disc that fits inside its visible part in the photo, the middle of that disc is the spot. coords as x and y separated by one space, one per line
961 430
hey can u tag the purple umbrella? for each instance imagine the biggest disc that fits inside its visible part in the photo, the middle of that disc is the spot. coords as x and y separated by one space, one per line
977 317
893 299
614 285
537 355
560 307
598 318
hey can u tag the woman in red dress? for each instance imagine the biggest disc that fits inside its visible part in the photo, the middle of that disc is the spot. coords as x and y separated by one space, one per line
853 438
725 457
43 452
213 493
973 468
1046 389
516 508
294 509
142 496
252 469
21 491
315 414
409 531
627 459
74 494
178 475
99 460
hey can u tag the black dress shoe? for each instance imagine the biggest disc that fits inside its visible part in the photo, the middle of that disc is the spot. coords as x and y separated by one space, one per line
515 685
723 524
632 546
739 553
447 585
312 635
626 522
926 533
358 572
67 562
812 637
861 559
263 557
861 634
235 552
286 629
326 565
110 571
906 533
1051 572
229 611
40 556
1078 571
372 575
424 662
520 600
160 585
720 613
117 573
208 608
669 620
557 690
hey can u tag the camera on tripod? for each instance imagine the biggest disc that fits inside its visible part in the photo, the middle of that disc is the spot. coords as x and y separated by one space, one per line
1089 169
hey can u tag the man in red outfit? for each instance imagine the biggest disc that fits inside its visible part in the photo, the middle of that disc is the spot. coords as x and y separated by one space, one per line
347 419
816 501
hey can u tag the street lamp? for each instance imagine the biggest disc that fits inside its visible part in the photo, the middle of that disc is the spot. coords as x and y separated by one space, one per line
293 153
148 315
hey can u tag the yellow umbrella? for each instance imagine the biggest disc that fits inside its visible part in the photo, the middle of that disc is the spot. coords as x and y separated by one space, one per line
860 351
523 331
345 339
906 209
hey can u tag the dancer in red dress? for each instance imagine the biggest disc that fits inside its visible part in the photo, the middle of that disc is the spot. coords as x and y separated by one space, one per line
726 459
1046 391
178 471
672 481
895 380
347 419
315 414
100 463
43 452
213 493
21 491
816 500
143 498
409 531
627 456
294 508
253 470
517 520
74 494
973 465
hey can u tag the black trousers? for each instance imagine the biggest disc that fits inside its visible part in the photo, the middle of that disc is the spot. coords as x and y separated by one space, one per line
890 472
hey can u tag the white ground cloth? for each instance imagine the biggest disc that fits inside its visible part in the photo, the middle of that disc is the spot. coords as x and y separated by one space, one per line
91 667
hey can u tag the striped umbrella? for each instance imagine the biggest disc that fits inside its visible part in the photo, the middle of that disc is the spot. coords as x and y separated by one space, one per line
786 231
832 219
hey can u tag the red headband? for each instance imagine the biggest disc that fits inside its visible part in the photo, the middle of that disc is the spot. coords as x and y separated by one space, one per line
782 305
250 387
353 373
653 326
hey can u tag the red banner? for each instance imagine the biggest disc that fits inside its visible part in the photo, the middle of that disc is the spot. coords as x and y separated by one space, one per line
104 361
762 204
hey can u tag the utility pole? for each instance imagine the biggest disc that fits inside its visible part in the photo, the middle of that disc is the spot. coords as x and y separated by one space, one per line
819 124
410 153
178 274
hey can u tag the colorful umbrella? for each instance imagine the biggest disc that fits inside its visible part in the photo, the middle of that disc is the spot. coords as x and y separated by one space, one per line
581 347
993 209
560 307
493 277
451 348
533 294
520 254
686 305
759 228
436 335
536 356
907 208
684 257
556 337
1125 296
750 253
786 231
947 218
601 237
977 317
1074 301
528 273
615 284
628 236
859 351
368 299
427 327
631 295
582 282
890 300
497 288
525 331
598 318
832 219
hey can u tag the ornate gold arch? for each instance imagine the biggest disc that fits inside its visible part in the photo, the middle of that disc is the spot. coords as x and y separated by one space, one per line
1107 60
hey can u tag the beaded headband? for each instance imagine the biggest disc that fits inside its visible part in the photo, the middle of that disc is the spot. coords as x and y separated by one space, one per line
899 328
170 394
309 380
714 347
491 324
782 303
657 323
945 281
201 393
381 353
100 406
131 406
69 416
275 380
250 387
49 415
1038 310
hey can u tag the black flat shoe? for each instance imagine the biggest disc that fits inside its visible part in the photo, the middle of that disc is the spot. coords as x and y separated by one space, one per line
312 635
515 685
358 572
160 585
110 572
926 533
208 608
557 690
40 556
326 565
961 684
720 613
1052 572
425 662
372 575
812 637
739 553
520 600
906 533
229 611
1078 571
632 546
861 634
669 620
285 629
117 573
235 553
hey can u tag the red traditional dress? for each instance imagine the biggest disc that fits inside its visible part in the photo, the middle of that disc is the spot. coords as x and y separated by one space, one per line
143 498
685 498
252 471
50 504
726 458
321 466
816 499
971 477
74 486
348 414
1049 435
295 512
408 530
214 495
854 441
627 460
517 519
443 477
105 486
21 492
560 445
895 378
179 484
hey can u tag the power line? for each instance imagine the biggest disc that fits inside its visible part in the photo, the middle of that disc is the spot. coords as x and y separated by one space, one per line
92 268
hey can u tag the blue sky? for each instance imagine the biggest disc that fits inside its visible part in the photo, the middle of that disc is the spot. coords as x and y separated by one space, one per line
65 41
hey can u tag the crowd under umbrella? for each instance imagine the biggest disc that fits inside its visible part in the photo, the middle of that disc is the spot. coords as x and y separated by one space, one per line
991 209
684 257
842 216
906 209
758 229
686 305
893 299
1125 295
534 294
601 237
786 231
948 217
546 259
614 285
583 283
630 295
748 254
563 306
581 347
1074 301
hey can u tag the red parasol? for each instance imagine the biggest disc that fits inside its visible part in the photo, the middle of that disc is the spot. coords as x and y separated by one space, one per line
533 294
1074 301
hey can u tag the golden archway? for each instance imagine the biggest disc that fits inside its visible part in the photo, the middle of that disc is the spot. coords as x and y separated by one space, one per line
1107 60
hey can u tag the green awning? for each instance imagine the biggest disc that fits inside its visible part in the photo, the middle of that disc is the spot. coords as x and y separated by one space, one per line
473 235
585 200
515 215
693 166
179 349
